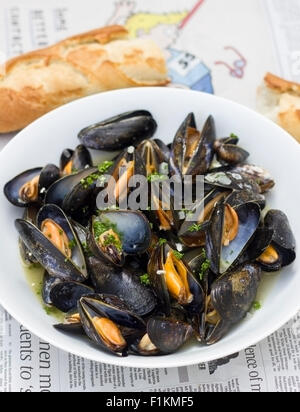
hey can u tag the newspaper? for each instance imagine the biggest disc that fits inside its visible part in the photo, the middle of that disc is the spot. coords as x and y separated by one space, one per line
223 61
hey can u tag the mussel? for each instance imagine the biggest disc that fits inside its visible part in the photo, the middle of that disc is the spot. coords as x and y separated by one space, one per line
120 131
113 234
102 318
54 244
74 161
123 283
192 150
229 300
30 187
172 279
230 232
65 295
281 250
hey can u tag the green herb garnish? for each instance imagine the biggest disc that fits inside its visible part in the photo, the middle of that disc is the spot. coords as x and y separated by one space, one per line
72 244
61 232
204 266
178 255
162 241
92 178
145 280
156 177
112 240
256 305
195 227
233 136
103 167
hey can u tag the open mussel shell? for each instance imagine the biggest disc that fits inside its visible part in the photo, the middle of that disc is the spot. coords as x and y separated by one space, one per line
75 161
283 240
193 229
12 189
119 132
122 283
151 155
231 297
52 221
114 308
116 233
102 318
168 335
65 295
133 227
51 258
171 278
192 151
117 188
71 324
30 187
257 246
246 218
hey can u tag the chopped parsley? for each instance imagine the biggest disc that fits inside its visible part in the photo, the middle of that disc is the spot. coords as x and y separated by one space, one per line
205 265
101 227
145 280
233 136
156 177
256 305
195 227
72 244
103 167
112 240
178 255
61 232
162 241
92 178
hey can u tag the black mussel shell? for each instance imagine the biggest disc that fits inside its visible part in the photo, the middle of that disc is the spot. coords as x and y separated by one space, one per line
232 296
114 308
168 335
71 192
12 188
230 153
49 175
57 215
122 283
283 239
65 158
262 177
48 283
46 253
75 161
120 131
65 295
71 324
237 198
231 180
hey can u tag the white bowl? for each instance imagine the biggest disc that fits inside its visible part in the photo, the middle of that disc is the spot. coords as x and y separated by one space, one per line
43 141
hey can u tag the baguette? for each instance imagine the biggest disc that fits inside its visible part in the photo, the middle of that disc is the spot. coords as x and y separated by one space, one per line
100 60
279 100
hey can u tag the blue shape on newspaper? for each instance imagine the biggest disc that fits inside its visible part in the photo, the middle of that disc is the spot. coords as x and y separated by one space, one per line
188 70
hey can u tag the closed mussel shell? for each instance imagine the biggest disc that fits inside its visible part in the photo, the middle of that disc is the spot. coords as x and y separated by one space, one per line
120 131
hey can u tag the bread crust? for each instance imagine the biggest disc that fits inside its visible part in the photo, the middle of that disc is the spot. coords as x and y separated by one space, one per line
99 60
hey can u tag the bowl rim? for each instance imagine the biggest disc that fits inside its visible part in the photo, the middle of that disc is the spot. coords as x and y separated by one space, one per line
162 361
